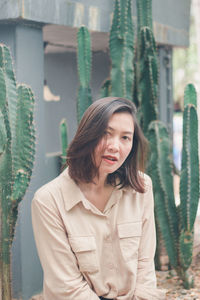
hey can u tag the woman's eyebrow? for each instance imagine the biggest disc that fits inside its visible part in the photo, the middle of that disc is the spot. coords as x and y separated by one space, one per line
124 132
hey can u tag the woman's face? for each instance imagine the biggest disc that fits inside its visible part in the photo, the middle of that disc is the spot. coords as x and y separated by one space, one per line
116 144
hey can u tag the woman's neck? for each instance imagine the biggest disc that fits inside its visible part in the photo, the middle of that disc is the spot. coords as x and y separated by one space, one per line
97 192
98 184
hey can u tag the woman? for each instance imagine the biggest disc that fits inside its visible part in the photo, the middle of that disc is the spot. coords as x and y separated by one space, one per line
94 224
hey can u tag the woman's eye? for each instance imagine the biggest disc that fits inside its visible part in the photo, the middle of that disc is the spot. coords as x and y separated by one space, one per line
126 138
107 133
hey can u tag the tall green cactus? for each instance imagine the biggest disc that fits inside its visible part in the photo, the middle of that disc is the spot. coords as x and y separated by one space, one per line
121 50
147 77
189 187
177 223
160 168
84 70
17 150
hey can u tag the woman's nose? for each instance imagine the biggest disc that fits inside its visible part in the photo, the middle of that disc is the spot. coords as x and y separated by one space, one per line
113 144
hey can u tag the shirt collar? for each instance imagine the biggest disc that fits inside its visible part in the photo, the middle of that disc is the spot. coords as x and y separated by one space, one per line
72 194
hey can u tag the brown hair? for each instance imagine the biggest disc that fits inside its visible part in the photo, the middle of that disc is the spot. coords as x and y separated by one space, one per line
90 131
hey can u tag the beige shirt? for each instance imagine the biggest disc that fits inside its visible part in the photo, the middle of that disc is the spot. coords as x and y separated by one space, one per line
86 253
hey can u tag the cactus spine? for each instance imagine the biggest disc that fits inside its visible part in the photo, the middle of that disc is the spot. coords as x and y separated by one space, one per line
84 70
177 223
121 50
17 149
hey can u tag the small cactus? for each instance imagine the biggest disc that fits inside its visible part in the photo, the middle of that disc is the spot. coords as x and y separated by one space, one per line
17 150
64 142
84 70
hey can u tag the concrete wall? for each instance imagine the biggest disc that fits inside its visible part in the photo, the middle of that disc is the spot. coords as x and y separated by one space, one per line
171 18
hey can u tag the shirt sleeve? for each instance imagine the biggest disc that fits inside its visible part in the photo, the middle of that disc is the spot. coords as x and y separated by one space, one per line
146 276
62 277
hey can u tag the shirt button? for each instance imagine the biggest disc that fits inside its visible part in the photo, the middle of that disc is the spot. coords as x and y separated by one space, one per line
108 238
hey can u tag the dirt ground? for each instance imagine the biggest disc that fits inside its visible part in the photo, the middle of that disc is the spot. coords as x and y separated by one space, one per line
169 281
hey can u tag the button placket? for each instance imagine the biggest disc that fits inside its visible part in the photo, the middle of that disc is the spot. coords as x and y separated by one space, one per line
108 241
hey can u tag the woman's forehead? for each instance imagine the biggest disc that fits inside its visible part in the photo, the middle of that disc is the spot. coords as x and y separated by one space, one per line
121 120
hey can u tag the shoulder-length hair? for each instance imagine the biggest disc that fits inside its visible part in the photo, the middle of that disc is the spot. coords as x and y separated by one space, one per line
90 131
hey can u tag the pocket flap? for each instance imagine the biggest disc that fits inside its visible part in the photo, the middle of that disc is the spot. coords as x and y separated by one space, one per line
82 243
126 230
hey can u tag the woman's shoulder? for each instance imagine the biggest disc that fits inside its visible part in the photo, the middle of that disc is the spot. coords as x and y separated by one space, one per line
51 188
146 180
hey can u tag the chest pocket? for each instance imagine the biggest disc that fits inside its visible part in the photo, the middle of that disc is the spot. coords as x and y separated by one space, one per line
85 250
129 239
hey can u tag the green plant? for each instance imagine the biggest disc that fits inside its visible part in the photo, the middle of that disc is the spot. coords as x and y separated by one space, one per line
177 223
146 82
64 142
171 220
121 50
17 150
146 66
84 69
147 78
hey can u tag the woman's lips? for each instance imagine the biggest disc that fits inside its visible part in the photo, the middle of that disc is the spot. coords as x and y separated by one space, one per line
110 159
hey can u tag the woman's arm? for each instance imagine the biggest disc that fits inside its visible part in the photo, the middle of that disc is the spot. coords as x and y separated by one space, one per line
62 278
146 277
